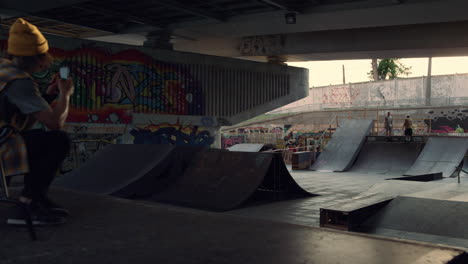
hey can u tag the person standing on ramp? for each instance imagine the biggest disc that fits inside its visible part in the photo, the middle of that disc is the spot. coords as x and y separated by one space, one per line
388 124
408 126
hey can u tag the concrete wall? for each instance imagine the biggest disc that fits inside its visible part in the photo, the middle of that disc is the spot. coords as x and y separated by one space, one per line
426 119
446 90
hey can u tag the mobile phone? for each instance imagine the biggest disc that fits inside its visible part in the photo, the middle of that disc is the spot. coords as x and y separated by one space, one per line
64 72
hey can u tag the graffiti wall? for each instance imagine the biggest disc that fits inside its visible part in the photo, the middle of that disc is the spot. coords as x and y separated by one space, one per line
446 90
338 95
447 120
175 130
174 134
110 87
84 146
88 138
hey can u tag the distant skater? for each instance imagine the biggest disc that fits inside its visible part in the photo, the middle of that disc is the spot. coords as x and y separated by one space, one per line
388 124
408 126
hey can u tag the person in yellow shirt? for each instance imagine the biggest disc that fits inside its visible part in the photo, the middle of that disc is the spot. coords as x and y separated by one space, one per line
408 127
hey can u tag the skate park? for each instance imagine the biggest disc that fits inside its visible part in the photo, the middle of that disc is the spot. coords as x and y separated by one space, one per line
157 81
356 172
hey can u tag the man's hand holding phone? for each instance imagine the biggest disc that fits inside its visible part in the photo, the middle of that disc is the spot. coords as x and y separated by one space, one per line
65 83
61 83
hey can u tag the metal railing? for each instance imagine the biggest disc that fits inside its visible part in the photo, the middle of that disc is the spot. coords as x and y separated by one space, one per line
322 136
421 126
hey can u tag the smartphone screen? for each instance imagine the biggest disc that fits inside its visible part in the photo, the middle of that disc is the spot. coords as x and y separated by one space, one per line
64 72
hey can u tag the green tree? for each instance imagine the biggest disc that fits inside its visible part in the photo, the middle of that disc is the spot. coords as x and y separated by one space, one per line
388 69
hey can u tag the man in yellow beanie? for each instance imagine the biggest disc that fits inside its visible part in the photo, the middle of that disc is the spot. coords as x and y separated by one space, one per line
22 105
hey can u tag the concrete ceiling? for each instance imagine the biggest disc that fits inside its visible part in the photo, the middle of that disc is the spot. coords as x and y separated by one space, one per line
256 29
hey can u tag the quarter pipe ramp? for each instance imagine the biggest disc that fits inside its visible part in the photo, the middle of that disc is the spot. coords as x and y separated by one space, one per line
115 167
343 148
220 181
440 154
191 176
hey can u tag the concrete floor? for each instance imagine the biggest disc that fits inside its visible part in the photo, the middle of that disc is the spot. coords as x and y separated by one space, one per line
331 188
104 229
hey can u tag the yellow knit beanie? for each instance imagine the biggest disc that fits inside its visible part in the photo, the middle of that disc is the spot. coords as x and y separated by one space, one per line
26 40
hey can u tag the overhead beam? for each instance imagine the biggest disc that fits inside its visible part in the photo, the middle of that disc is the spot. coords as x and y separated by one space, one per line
191 10
47 31
29 7
150 25
105 31
279 5
125 16
420 40
275 4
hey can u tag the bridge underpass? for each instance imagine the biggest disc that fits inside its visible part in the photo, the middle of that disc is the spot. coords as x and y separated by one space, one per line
171 96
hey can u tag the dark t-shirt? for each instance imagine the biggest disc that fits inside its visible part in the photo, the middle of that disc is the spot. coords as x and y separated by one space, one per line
21 97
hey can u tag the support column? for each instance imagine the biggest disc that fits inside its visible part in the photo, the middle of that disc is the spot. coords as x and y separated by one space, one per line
428 83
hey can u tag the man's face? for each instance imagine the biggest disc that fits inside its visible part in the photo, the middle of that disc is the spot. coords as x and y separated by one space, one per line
45 62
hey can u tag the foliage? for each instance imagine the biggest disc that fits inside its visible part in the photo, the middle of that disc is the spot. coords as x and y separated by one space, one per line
389 69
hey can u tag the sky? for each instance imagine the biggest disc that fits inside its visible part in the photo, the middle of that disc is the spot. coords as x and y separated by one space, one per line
322 73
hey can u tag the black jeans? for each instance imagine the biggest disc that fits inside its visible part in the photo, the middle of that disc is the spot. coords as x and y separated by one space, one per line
409 132
46 152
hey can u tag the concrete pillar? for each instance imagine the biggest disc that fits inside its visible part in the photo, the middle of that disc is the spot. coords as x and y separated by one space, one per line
159 39
429 82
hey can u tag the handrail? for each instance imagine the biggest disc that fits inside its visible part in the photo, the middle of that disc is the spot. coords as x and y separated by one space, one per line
325 131
417 123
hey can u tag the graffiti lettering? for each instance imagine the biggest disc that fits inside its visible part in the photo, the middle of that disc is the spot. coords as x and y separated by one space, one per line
174 134
341 95
262 45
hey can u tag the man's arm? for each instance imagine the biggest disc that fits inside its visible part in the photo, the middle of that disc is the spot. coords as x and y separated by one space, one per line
54 118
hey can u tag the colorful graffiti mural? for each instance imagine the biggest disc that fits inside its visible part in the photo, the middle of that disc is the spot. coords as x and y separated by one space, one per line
174 134
446 121
84 146
109 86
